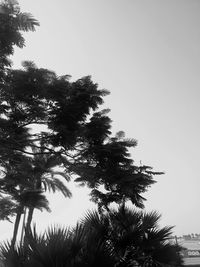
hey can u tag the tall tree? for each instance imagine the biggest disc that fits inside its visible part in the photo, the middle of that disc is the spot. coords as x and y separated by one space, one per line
43 114
71 131
45 177
71 126
25 180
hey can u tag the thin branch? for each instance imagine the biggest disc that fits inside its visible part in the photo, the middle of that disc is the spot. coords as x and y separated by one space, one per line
31 153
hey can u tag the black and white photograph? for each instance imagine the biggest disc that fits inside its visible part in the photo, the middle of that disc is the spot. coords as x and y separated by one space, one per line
99 133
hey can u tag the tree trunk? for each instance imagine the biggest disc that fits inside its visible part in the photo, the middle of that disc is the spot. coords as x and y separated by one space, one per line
29 219
23 225
16 226
27 228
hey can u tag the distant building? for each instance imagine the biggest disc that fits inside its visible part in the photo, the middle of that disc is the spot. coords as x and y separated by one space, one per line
191 249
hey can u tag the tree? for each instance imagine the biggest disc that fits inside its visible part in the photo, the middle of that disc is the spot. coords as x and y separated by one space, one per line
25 180
48 118
71 131
112 167
137 237
17 184
46 178
72 127
28 199
12 22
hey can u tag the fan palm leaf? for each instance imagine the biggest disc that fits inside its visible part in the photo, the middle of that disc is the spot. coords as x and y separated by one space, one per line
150 220
50 248
93 242
12 256
136 235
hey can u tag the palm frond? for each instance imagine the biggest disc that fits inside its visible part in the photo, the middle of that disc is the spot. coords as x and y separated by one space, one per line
162 235
150 220
77 239
58 232
35 199
92 218
50 248
97 224
12 257
53 185
167 255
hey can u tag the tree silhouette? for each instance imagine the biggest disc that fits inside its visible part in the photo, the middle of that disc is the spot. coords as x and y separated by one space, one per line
48 121
43 114
46 178
25 181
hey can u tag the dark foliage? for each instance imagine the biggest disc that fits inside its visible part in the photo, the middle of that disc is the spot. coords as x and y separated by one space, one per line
41 113
12 22
79 138
48 121
120 238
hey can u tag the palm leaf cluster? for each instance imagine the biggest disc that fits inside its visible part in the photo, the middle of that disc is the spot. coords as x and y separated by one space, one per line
25 180
122 238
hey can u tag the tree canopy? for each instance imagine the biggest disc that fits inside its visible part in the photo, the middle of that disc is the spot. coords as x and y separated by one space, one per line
40 110
42 113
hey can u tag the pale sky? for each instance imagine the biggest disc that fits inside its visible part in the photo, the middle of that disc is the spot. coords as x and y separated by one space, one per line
147 54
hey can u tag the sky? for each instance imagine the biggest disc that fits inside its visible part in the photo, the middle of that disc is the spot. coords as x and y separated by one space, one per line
147 54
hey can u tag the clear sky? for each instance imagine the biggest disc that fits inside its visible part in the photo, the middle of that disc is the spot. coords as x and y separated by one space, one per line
147 53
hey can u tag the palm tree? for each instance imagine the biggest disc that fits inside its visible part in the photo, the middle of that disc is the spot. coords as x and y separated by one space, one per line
137 238
70 247
134 238
27 199
25 180
13 183
122 238
31 199
46 178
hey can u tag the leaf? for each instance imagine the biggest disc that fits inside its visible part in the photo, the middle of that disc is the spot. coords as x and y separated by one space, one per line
54 184
26 22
